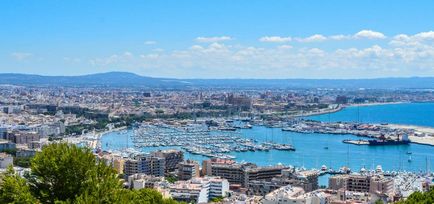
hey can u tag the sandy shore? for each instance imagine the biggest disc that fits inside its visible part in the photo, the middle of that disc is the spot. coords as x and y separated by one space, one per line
91 139
320 112
374 104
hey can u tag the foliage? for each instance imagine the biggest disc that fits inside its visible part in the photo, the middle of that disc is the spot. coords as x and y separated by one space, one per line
420 198
171 179
14 189
22 161
10 151
217 199
379 202
145 196
65 173
62 171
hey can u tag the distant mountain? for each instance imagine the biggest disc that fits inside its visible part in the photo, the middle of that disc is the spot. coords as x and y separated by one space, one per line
125 79
110 79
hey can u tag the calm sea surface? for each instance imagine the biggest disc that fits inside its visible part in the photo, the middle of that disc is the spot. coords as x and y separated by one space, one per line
421 114
311 151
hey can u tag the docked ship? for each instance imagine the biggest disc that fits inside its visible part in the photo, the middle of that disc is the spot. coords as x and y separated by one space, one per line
383 141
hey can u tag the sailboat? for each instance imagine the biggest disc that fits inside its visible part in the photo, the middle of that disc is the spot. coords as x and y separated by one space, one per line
409 159
327 145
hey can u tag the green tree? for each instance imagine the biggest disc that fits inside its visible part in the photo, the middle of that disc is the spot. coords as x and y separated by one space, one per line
14 189
65 173
60 172
171 179
420 198
147 195
217 199
142 196
379 202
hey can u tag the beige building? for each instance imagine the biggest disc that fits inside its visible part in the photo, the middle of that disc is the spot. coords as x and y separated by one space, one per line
188 169
381 185
139 181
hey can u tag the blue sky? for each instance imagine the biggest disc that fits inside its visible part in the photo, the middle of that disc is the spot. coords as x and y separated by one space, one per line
219 39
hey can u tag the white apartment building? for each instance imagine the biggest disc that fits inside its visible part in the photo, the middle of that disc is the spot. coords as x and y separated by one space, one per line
218 187
189 191
139 181
294 195
199 190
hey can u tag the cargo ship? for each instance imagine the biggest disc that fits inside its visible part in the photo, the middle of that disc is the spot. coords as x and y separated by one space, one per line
383 141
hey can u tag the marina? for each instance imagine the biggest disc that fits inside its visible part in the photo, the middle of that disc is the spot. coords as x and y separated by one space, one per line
312 149
199 139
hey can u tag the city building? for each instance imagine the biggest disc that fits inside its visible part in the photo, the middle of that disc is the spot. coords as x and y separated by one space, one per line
358 183
374 185
172 158
254 173
188 169
146 164
6 160
308 180
287 194
353 196
227 169
381 185
199 190
139 181
7 145
338 182
218 187
115 161
190 191
23 137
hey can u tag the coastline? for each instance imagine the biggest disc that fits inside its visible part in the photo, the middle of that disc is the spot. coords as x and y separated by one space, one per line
342 107
375 104
427 132
97 143
321 112
92 139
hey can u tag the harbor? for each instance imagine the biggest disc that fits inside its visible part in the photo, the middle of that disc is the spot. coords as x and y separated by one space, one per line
199 139
382 134
312 149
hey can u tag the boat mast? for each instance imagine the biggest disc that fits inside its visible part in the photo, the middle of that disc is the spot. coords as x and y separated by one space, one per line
358 114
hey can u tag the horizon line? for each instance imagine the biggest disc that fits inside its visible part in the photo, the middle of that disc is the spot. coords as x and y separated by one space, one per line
234 78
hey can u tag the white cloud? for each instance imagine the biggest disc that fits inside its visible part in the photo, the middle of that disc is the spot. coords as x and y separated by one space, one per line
421 39
275 39
405 55
425 35
363 34
369 34
21 55
313 38
150 42
125 57
213 39
340 37
285 47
